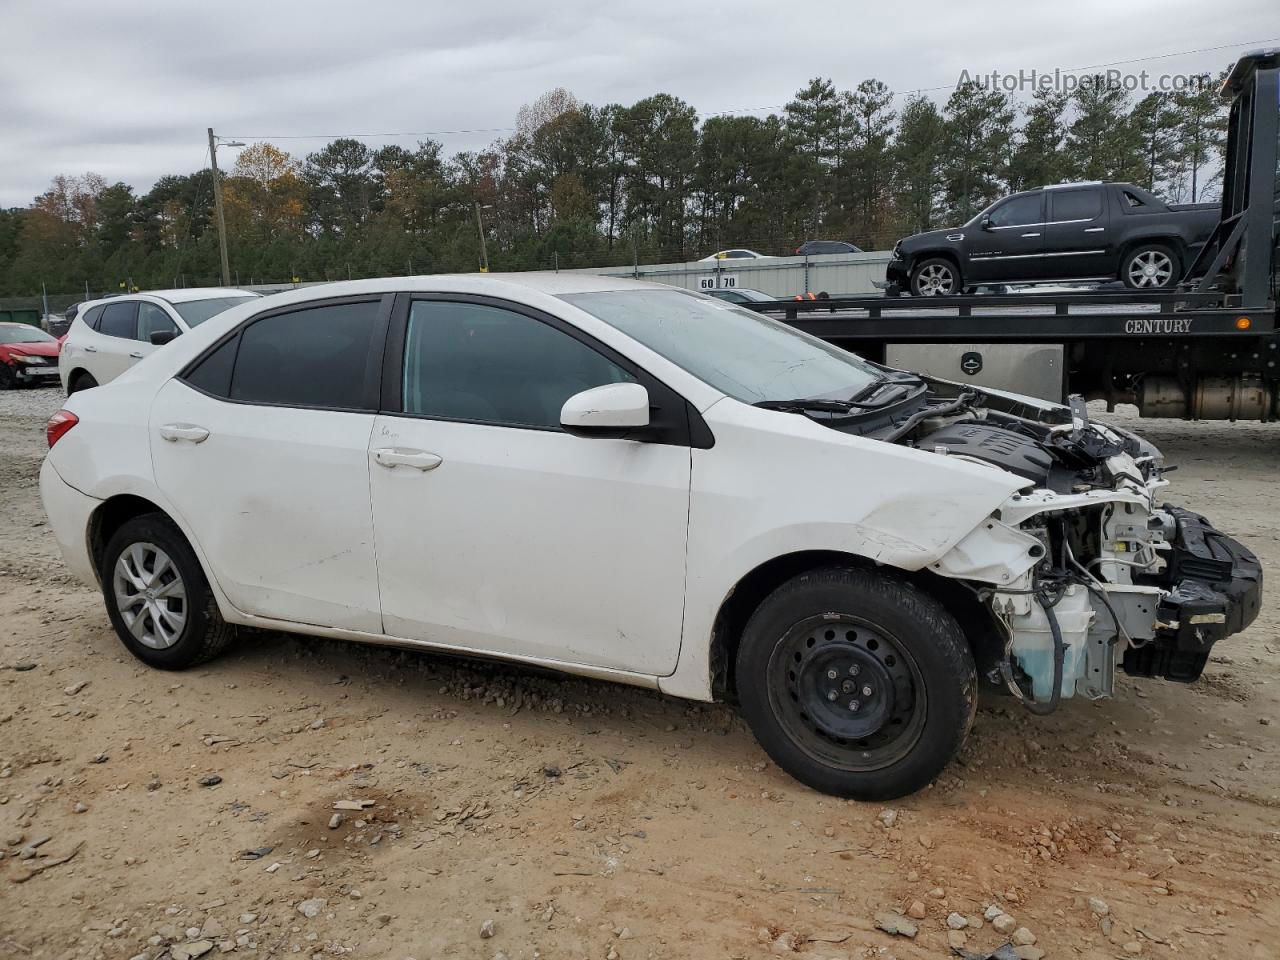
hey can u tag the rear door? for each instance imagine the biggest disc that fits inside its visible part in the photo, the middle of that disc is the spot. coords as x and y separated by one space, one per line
262 447
1077 242
1010 246
113 347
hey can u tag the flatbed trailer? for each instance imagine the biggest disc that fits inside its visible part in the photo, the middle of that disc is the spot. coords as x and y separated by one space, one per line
1208 350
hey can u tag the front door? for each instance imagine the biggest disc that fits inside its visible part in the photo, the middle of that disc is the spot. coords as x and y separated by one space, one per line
499 532
1010 245
262 447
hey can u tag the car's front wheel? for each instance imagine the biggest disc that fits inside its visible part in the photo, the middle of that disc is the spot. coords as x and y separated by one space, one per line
936 277
158 598
857 683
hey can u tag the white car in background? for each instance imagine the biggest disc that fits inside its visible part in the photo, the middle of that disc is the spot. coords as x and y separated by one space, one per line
738 253
641 484
109 336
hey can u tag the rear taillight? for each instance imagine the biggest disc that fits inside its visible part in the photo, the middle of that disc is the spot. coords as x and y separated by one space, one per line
58 425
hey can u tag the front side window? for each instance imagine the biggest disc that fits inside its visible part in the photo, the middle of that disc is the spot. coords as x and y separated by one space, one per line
1077 204
153 319
741 353
470 361
196 312
1017 212
313 357
120 320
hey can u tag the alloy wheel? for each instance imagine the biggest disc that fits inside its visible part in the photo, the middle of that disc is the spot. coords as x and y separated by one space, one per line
150 595
935 280
1151 268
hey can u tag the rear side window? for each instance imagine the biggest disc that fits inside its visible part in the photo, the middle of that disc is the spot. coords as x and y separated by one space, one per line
315 357
213 373
469 361
119 320
1076 204
92 317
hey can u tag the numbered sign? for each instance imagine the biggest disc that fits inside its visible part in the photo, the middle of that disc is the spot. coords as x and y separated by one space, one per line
718 281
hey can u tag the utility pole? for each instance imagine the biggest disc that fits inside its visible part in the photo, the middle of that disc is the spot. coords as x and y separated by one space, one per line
217 208
484 253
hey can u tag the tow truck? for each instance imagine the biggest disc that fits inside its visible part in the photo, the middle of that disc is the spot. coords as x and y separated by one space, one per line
1207 350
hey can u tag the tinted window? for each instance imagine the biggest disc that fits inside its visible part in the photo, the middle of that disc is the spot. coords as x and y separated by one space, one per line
119 320
213 373
314 357
731 295
92 317
1018 211
1133 200
196 312
152 319
1077 204
467 361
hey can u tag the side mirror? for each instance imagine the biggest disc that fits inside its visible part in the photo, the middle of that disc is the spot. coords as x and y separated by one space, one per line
161 337
613 410
985 224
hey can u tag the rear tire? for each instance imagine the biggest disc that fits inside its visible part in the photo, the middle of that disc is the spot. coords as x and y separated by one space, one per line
935 277
857 683
158 598
1151 266
81 381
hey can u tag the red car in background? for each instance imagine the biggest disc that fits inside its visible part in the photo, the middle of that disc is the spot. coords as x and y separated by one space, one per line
27 355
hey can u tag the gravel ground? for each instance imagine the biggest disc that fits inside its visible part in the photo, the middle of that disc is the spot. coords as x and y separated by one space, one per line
308 798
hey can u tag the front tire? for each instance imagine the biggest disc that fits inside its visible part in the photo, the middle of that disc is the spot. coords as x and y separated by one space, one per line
158 598
1151 266
935 277
8 380
857 683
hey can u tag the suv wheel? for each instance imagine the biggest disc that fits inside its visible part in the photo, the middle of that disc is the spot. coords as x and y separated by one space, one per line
937 277
81 381
158 598
857 683
1150 267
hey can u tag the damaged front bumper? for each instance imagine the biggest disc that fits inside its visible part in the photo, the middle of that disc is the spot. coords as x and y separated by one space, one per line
1216 591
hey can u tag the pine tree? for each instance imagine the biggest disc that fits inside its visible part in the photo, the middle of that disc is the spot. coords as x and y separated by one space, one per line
979 128
1037 158
1101 143
918 156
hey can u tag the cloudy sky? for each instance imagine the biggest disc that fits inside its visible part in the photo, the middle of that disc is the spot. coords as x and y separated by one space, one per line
127 88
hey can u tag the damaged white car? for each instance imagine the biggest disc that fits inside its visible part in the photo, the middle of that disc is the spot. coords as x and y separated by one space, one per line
644 485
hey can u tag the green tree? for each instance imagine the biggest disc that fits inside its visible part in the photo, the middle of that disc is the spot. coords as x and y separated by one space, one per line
1101 142
978 131
918 165
1037 158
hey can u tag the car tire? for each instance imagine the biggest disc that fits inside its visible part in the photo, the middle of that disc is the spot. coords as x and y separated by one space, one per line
935 277
856 682
1151 266
81 381
158 598
7 379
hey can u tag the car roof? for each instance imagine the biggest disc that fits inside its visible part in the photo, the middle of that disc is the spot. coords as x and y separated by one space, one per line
187 294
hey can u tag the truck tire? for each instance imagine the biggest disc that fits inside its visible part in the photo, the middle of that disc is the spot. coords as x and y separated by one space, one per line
935 277
1150 266
856 682
158 598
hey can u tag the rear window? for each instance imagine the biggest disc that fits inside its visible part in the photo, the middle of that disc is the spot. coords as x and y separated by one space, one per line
196 312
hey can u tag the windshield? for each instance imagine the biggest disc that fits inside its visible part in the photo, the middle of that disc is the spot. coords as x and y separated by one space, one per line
24 334
196 312
743 354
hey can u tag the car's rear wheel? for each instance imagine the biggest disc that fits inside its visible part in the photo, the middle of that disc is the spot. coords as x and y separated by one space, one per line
158 598
1150 267
856 683
936 277
81 381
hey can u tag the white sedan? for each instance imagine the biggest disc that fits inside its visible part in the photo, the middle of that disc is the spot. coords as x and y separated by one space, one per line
108 336
636 483
737 253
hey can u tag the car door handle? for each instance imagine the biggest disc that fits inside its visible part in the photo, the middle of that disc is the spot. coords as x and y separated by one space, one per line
391 457
1031 234
174 432
90 349
136 355
1094 229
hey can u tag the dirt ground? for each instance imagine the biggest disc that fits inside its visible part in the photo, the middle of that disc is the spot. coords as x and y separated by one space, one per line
505 813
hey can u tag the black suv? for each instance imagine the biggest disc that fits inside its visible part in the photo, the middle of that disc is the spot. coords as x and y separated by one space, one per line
1072 231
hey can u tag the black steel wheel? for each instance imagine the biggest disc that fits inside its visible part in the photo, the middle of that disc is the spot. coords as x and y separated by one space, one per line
856 682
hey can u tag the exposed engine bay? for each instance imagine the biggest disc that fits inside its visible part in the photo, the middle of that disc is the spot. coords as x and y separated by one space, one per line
1083 570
